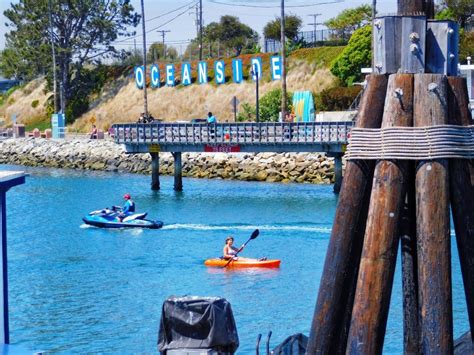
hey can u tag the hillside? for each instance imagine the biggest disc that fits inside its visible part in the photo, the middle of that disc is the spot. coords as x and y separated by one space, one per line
121 101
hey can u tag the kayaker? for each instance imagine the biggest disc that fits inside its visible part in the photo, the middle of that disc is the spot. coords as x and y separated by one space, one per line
230 252
128 207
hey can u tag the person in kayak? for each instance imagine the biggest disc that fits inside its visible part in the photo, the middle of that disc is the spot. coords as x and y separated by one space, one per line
230 252
128 207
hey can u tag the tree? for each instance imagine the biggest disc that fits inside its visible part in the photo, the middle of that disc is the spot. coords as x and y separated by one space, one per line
83 32
211 35
231 34
356 55
155 52
456 10
292 27
350 20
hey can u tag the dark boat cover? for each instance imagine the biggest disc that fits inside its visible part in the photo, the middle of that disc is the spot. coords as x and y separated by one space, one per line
293 345
193 322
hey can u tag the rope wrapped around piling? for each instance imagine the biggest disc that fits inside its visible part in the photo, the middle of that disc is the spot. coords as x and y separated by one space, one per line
412 143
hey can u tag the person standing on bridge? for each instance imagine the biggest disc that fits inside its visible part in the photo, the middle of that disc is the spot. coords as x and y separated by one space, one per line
211 118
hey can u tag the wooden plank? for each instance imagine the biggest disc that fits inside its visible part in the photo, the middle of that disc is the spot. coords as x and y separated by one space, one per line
377 265
342 258
413 44
432 225
462 195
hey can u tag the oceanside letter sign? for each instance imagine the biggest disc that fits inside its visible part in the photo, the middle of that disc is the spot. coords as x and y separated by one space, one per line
202 71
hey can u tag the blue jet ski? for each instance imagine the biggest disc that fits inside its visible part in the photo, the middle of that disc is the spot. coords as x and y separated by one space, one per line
109 218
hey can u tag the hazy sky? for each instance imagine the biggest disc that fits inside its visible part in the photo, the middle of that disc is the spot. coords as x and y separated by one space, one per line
182 28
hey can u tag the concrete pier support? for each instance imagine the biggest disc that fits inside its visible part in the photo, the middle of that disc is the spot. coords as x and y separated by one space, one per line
338 173
178 172
155 171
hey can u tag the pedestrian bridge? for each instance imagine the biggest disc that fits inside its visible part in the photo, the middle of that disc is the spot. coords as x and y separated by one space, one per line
327 137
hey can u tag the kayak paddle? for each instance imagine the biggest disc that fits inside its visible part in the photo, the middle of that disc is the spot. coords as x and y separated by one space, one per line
254 235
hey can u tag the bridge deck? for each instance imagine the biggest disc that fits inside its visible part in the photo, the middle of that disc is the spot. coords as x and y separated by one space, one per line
330 137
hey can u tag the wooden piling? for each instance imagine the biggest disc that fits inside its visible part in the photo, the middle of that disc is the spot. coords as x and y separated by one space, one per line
432 224
178 172
411 338
337 173
377 265
155 171
342 258
462 195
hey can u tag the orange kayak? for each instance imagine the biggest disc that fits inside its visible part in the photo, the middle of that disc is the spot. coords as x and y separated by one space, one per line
242 263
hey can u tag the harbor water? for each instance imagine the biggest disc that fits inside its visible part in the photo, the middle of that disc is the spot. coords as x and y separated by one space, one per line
80 289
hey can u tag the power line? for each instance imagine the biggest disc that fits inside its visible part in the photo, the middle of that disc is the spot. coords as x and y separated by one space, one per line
192 3
274 6
155 28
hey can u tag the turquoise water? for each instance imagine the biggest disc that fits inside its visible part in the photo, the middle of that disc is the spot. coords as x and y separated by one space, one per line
81 289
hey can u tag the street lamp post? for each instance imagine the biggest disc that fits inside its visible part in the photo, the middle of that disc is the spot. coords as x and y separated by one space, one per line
256 74
283 61
145 101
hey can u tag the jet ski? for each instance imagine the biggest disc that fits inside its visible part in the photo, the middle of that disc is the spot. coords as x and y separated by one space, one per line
109 218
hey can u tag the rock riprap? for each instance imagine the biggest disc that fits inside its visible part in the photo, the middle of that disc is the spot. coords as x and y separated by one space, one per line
107 156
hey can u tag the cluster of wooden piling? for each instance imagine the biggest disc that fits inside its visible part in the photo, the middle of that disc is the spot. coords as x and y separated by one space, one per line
390 202
399 200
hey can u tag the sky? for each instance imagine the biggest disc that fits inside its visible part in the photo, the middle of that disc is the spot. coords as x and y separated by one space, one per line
181 23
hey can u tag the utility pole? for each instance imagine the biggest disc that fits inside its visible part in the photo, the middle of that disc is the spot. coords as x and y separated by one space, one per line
283 61
163 32
145 101
54 57
315 24
374 11
200 29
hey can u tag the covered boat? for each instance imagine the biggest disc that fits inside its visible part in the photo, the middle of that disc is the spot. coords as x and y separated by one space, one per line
243 262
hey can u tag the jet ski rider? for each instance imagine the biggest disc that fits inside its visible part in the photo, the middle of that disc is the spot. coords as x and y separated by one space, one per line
128 207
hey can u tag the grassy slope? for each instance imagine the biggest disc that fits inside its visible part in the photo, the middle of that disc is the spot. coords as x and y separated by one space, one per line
120 101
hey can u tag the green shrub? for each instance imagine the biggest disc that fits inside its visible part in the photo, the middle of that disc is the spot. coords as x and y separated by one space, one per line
75 108
466 45
35 103
354 57
246 113
270 105
336 99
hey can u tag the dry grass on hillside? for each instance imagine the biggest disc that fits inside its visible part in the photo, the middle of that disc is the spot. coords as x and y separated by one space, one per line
194 101
21 102
123 102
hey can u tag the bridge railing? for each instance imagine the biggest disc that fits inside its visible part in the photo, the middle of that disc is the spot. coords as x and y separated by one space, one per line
233 133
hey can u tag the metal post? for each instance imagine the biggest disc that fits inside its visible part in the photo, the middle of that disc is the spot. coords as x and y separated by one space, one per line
145 101
257 113
8 180
200 29
53 50
283 61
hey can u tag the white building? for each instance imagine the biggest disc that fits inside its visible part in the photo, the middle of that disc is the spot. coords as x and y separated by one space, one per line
467 71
